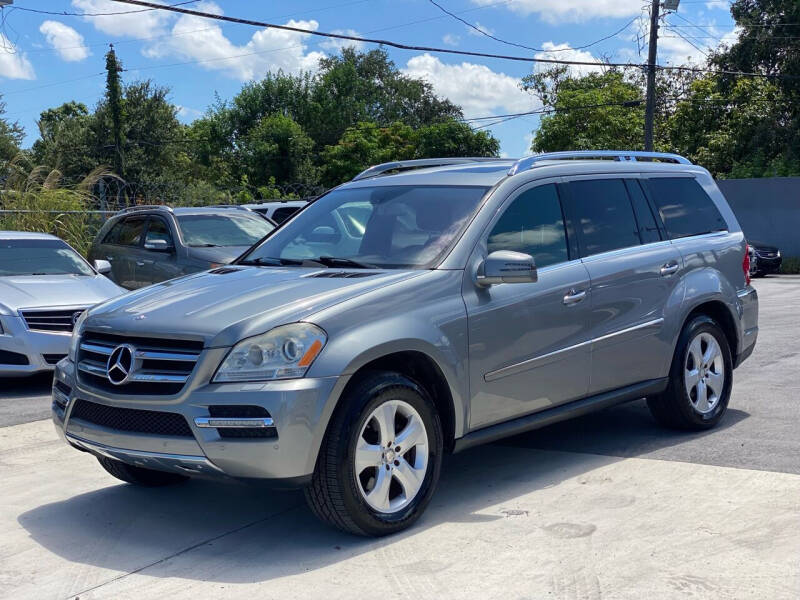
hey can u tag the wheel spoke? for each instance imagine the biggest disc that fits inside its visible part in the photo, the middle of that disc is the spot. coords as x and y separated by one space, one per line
702 397
385 418
715 381
711 351
696 351
412 435
409 477
379 495
367 455
691 378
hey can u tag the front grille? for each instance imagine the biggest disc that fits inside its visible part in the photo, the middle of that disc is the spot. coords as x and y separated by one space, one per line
160 367
246 411
131 419
52 359
51 320
12 358
765 254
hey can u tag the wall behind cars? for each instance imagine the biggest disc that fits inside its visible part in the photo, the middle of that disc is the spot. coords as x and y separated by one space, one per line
768 210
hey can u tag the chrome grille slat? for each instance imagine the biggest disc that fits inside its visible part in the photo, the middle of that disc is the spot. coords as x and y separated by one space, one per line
50 319
160 367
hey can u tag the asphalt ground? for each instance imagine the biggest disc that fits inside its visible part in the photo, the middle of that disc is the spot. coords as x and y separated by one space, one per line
604 506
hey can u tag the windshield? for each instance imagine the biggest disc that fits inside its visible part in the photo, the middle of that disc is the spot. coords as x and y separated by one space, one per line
384 227
223 229
40 257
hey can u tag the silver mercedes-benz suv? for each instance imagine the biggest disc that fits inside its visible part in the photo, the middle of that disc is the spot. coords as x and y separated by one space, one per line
423 307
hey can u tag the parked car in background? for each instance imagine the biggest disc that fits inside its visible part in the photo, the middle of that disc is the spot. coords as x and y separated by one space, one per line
404 315
45 286
150 244
765 259
279 210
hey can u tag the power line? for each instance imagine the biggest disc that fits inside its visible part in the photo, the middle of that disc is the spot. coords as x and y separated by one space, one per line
402 46
508 43
64 13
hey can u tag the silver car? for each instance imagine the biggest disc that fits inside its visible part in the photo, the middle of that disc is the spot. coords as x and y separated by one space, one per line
424 307
44 286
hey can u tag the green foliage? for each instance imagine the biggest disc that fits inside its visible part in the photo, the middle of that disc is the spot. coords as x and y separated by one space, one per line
278 148
41 204
11 134
115 111
571 127
65 141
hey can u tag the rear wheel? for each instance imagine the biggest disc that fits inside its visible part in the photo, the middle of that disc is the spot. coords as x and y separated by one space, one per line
701 378
380 460
138 475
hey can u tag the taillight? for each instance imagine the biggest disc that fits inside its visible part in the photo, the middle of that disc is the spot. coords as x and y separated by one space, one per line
746 264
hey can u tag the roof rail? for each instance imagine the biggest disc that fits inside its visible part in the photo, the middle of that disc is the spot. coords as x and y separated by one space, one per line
131 209
421 163
529 162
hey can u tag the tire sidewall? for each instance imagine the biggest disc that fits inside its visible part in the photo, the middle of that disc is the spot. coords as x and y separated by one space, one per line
360 405
695 327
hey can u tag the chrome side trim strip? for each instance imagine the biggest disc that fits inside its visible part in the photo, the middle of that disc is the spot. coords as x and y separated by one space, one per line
645 325
525 364
228 422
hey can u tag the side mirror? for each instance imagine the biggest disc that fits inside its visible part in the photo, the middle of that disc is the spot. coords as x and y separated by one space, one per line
157 245
102 266
505 266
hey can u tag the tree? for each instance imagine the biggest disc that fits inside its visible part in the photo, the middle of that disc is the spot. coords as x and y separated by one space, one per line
595 111
115 111
65 140
277 149
11 135
454 138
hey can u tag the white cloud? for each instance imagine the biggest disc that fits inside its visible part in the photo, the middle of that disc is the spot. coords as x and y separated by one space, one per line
134 24
13 63
560 11
187 113
476 88
481 29
335 45
720 4
65 40
267 49
565 52
451 40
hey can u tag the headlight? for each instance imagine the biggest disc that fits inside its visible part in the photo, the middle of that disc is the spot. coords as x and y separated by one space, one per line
778 254
76 336
285 352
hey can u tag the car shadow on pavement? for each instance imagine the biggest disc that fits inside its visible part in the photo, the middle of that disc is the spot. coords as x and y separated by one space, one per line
237 533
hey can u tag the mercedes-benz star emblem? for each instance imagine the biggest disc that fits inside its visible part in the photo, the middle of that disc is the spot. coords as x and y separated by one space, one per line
120 364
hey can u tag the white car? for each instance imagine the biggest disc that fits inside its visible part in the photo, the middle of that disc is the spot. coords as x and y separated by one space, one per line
277 210
44 287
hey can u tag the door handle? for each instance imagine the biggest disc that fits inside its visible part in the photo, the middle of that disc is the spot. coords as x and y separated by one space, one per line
669 268
574 296
141 263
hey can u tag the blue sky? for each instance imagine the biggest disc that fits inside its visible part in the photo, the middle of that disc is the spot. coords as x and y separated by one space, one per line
49 59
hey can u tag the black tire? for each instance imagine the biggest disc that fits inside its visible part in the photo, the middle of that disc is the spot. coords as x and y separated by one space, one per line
138 475
333 495
674 408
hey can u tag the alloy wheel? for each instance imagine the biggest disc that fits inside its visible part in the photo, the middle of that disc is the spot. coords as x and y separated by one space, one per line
704 373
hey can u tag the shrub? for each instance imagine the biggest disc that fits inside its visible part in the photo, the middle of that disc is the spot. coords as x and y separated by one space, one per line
790 265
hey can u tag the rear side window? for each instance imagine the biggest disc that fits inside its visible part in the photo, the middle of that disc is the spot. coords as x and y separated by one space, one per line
685 207
533 224
602 212
126 233
648 229
281 214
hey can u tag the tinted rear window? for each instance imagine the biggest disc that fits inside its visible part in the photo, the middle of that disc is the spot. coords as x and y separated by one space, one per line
685 207
603 214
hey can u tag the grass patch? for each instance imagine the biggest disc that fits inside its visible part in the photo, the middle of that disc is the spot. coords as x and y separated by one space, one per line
790 265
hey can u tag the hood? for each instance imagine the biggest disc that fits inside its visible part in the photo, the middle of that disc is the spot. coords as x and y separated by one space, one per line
217 254
41 291
228 304
762 247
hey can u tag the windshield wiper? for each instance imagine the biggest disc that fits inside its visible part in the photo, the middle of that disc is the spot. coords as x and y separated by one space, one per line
204 245
337 261
271 261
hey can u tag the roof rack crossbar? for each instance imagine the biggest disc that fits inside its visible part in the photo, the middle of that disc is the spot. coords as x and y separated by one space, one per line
529 162
421 163
132 209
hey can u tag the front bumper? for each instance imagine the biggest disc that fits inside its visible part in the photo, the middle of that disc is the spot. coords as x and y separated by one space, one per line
300 409
766 265
38 347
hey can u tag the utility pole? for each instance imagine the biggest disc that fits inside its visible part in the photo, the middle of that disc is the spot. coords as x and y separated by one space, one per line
652 55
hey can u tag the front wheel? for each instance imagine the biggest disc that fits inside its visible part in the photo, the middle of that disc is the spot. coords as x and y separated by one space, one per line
700 380
380 460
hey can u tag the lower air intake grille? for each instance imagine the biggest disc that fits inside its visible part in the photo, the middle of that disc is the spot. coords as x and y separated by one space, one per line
12 358
130 419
